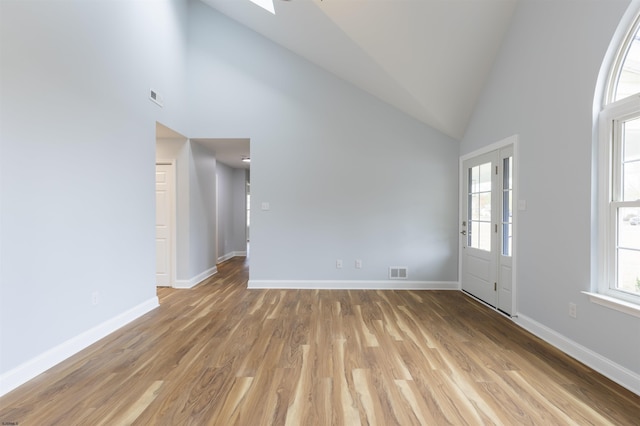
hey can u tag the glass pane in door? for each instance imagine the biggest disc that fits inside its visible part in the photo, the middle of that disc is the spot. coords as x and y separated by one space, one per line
479 207
507 205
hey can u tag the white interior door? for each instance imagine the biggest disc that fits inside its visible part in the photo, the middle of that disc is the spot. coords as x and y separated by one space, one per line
487 228
164 207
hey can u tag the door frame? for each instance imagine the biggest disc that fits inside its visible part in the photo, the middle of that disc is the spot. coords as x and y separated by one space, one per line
517 205
172 220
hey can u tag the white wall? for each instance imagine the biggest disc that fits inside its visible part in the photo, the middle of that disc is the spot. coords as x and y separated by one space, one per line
345 175
542 88
78 154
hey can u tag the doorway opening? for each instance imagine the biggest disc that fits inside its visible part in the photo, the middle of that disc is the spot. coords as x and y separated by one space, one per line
169 145
201 206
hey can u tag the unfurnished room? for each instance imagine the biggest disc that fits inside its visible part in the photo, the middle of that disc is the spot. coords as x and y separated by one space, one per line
319 212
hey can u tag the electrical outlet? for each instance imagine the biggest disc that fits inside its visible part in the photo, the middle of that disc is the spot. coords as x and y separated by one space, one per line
358 264
338 263
573 310
95 298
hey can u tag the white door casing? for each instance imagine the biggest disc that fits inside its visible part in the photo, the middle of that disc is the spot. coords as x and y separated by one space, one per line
164 224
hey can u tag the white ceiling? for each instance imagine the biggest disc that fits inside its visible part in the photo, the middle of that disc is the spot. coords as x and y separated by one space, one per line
228 151
428 58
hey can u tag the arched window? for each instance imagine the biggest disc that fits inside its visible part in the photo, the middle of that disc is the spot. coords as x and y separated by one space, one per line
619 178
624 80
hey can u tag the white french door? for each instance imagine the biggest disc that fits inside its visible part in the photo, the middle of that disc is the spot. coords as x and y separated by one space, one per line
487 227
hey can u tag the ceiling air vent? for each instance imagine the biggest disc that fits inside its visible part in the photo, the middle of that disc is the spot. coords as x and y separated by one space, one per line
398 273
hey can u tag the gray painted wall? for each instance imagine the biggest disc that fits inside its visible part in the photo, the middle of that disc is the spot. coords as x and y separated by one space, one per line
239 200
225 209
202 210
542 88
231 211
345 175
77 164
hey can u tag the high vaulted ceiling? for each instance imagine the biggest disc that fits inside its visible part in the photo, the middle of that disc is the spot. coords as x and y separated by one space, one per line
428 58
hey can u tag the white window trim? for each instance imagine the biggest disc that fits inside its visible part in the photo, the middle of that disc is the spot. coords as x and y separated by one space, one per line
604 294
618 64
614 303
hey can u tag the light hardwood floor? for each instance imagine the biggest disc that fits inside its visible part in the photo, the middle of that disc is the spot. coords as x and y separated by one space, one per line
220 354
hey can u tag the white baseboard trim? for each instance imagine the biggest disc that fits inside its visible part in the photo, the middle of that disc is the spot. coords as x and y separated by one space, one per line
233 254
619 374
195 280
225 257
353 285
41 363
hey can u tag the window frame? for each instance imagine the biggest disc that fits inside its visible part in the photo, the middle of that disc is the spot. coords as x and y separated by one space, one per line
610 164
618 64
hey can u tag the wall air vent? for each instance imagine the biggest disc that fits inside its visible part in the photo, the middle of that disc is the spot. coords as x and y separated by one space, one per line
155 97
398 273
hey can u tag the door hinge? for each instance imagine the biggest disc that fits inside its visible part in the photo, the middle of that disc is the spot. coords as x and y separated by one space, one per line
495 286
496 226
496 169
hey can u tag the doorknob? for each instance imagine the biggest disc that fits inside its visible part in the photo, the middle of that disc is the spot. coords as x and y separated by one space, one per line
463 232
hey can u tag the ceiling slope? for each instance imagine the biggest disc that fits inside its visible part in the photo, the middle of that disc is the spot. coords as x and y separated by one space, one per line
428 58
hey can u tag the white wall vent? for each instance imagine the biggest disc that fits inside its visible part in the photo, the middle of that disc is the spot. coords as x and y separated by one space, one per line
398 273
155 97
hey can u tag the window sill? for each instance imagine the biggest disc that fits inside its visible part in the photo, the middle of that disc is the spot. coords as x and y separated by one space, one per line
615 304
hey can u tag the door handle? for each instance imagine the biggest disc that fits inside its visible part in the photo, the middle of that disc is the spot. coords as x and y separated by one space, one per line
463 232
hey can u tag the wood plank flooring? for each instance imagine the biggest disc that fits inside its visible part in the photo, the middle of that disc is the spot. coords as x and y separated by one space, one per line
220 354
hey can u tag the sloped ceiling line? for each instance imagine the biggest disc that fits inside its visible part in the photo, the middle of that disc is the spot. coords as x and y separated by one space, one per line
428 58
